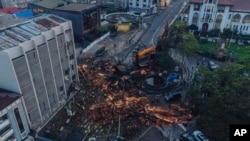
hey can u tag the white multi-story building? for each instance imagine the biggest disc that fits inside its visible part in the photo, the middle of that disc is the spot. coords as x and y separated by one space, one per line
13 121
220 14
38 60
143 6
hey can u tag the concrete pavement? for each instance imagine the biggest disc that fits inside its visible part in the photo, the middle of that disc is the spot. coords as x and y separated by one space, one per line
117 47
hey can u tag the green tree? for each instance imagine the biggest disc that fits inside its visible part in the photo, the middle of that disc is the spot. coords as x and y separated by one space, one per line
222 98
182 39
189 44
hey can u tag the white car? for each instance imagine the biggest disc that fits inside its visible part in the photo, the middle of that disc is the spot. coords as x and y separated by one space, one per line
212 65
199 136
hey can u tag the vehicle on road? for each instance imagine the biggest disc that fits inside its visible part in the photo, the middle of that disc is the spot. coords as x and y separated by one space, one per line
211 65
199 136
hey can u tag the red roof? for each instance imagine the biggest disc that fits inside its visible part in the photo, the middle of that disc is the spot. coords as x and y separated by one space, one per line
225 2
237 5
241 5
9 10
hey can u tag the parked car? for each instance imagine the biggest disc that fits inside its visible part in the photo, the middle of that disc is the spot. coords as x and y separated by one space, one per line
199 136
211 65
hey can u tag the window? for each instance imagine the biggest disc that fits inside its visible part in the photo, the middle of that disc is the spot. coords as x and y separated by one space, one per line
11 138
209 8
66 72
19 120
246 19
5 129
130 3
236 18
61 89
54 98
247 28
221 9
44 106
196 7
3 118
71 57
230 15
73 77
72 67
144 5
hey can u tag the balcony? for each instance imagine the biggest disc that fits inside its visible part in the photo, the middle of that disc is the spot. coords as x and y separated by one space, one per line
6 134
4 123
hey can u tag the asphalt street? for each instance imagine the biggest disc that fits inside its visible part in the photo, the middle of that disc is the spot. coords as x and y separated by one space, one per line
157 22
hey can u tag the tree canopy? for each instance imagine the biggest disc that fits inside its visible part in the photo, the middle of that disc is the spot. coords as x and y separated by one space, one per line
222 97
182 39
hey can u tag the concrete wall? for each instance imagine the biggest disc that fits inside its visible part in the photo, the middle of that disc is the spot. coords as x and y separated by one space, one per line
95 42
8 78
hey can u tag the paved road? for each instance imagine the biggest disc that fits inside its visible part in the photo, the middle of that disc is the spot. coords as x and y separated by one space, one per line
158 21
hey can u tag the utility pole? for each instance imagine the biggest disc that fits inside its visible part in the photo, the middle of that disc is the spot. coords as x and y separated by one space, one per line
119 138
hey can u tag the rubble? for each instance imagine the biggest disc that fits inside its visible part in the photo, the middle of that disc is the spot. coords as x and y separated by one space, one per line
115 95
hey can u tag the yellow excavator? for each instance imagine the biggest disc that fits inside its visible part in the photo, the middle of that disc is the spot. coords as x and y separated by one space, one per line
138 55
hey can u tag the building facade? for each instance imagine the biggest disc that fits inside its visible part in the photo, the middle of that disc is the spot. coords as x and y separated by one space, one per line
143 6
38 60
13 121
220 14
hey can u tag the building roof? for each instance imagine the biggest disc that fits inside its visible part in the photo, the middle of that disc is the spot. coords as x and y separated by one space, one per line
27 13
11 36
76 7
241 6
7 20
7 97
50 4
63 5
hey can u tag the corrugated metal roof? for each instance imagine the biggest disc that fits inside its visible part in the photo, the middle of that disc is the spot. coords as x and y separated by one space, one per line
20 32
